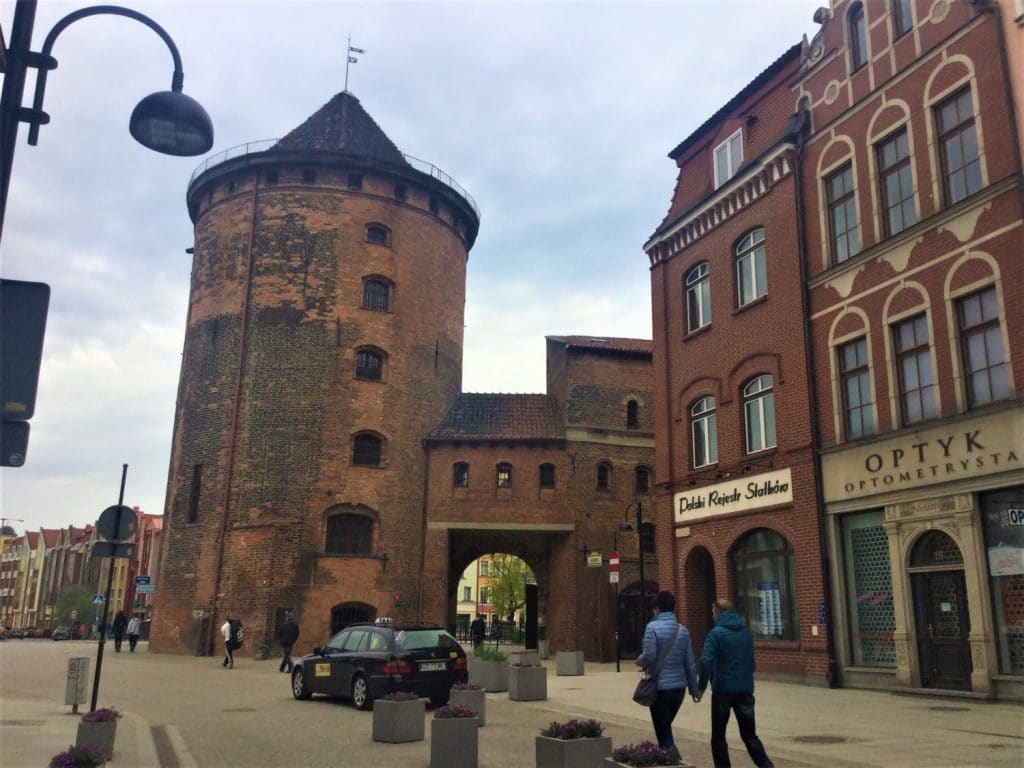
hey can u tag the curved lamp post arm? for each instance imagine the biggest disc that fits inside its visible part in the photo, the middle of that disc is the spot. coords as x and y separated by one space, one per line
48 62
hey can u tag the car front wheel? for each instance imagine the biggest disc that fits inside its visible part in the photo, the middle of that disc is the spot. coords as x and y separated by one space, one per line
299 688
361 693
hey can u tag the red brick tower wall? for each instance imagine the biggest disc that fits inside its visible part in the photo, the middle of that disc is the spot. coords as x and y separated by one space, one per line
269 404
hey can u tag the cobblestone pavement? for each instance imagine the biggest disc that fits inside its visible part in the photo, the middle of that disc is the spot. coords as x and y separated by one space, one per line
189 712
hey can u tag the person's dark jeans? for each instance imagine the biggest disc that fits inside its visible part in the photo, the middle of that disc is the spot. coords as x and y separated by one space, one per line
663 712
133 640
743 705
286 660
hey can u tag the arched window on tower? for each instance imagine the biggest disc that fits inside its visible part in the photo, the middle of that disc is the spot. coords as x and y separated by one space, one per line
376 294
377 234
367 450
369 365
643 479
349 534
604 476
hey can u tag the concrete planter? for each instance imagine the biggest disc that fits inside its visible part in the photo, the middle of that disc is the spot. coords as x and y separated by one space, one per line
474 700
454 742
527 683
572 753
492 676
542 649
100 734
398 721
517 658
569 663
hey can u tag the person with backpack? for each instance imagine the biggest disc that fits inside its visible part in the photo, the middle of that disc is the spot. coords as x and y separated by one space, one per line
668 655
231 630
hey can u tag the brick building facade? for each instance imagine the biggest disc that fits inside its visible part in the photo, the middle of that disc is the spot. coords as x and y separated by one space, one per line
850 225
311 468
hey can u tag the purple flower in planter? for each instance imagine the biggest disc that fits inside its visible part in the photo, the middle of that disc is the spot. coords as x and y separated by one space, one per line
467 687
101 715
452 711
400 696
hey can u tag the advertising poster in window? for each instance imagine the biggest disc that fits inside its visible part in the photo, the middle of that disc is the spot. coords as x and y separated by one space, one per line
1004 533
769 601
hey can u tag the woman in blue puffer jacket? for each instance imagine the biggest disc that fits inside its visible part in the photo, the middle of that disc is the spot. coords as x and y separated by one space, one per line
677 671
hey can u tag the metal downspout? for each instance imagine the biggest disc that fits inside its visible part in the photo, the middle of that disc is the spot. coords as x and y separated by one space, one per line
832 673
233 437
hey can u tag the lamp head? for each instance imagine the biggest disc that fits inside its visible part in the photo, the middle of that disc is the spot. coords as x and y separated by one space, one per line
625 526
172 123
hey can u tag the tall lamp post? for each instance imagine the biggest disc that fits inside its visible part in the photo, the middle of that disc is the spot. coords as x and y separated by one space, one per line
640 549
167 121
623 526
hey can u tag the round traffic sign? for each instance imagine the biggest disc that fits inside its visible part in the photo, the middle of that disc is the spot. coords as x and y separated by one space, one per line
117 523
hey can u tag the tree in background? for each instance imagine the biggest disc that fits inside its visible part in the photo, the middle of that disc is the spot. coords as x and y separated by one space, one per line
74 597
508 585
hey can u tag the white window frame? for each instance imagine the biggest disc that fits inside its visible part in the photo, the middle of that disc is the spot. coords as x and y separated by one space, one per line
751 253
698 290
706 454
727 149
755 397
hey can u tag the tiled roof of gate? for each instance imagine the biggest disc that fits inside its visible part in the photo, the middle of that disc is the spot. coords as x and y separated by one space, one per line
342 125
500 417
609 343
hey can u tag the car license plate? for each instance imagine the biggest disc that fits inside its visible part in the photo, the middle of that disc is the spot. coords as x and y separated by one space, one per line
433 666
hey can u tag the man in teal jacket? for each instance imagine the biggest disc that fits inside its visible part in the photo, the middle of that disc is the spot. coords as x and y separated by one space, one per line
728 661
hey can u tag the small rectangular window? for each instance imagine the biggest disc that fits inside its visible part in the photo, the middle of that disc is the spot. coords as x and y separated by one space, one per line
504 475
855 381
958 147
902 18
401 192
858 36
434 205
460 475
914 369
896 183
547 475
981 348
355 181
728 156
844 230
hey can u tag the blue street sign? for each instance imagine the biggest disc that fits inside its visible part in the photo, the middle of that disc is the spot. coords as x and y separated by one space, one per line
141 580
97 599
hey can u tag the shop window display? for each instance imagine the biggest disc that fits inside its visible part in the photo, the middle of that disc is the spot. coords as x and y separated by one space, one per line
762 563
1003 516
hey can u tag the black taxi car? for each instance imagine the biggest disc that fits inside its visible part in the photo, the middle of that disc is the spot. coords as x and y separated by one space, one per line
366 661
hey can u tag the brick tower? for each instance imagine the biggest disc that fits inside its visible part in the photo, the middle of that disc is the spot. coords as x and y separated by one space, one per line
323 344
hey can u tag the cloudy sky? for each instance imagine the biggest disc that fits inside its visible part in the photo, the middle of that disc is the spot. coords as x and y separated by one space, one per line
556 117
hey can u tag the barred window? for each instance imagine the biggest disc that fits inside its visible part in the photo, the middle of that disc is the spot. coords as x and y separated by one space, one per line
367 450
503 475
460 474
643 479
349 535
369 365
376 292
604 476
377 234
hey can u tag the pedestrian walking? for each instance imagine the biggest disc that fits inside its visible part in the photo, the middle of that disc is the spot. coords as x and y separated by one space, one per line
667 642
119 626
287 634
134 625
477 630
229 644
728 662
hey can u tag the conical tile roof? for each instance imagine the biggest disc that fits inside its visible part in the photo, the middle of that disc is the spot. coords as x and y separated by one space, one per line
342 125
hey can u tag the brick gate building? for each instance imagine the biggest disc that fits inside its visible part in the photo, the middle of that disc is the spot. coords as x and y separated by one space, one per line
320 429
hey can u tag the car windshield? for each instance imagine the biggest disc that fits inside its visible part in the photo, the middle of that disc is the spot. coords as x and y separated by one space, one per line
413 639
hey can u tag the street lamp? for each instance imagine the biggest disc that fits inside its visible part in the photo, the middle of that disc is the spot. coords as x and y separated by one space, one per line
168 121
623 526
640 548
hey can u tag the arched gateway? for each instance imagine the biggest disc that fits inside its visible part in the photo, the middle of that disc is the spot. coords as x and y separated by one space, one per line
324 459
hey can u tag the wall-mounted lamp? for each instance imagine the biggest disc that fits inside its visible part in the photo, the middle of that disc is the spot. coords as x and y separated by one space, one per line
751 464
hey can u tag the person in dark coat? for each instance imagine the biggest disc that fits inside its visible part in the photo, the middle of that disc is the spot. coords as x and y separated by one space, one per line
119 627
677 671
477 630
287 634
728 662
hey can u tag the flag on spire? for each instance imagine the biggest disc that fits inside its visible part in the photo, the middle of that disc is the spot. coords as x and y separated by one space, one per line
350 58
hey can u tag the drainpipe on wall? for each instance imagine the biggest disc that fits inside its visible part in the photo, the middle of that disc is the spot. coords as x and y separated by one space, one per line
233 443
800 124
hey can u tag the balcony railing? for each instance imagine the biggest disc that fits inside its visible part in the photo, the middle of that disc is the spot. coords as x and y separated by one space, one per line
255 147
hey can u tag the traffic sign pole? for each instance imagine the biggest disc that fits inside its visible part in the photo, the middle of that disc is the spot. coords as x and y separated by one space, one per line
106 600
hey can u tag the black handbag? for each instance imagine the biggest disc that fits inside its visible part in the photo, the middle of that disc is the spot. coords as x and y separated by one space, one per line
646 692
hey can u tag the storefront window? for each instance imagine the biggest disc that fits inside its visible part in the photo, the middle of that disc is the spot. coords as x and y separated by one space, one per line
869 590
1003 515
762 565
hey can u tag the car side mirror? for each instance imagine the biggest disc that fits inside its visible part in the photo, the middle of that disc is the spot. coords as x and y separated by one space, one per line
318 651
